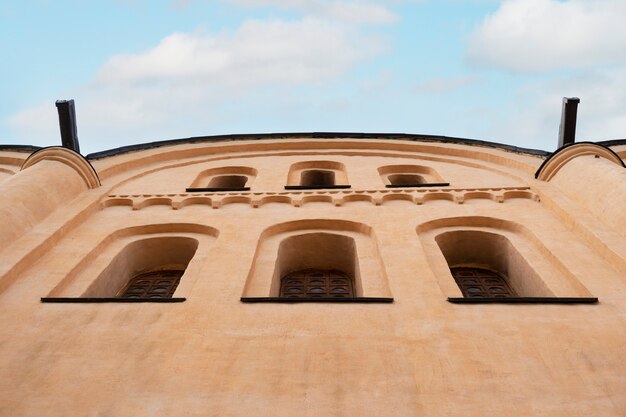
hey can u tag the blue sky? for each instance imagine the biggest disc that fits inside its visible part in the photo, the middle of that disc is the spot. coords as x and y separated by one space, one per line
144 70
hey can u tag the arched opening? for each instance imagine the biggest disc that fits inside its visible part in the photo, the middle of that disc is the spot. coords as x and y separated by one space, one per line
345 254
410 176
146 268
228 182
487 265
317 265
406 179
233 178
317 178
316 175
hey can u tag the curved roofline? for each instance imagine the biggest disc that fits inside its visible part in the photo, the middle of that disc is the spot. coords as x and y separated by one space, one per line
612 142
562 150
314 135
31 148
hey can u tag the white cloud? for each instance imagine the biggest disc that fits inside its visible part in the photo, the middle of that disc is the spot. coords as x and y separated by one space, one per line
536 35
191 81
308 50
355 11
534 116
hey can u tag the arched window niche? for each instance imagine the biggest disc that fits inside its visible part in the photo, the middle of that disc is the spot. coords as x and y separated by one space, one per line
234 178
310 175
398 176
154 265
481 259
317 265
139 263
317 260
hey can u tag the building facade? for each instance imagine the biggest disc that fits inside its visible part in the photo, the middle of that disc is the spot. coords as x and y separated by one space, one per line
313 275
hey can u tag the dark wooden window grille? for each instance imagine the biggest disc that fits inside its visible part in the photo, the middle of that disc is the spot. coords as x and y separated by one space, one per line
481 283
316 283
154 284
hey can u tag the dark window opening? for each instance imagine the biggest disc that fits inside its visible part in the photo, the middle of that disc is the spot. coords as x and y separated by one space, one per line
154 284
317 178
316 283
228 182
481 283
406 179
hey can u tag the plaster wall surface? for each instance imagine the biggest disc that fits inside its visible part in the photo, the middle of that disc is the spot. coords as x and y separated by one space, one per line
213 355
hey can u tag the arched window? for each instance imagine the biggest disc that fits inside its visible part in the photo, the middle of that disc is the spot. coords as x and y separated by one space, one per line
487 265
233 178
317 283
146 268
406 180
317 260
228 182
317 178
317 175
410 176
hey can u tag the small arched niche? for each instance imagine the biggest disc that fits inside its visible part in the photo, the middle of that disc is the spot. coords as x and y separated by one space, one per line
308 259
317 175
146 268
486 264
397 176
234 178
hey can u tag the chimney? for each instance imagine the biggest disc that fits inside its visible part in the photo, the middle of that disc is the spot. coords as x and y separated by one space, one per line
567 130
67 123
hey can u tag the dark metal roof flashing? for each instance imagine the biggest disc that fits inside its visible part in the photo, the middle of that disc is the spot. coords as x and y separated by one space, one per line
315 135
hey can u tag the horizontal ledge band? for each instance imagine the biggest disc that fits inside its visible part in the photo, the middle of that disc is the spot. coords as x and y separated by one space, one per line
215 189
520 300
316 187
316 300
432 184
109 300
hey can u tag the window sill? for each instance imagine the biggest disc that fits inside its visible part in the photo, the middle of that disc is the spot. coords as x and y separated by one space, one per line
433 184
110 300
316 300
211 190
316 187
524 300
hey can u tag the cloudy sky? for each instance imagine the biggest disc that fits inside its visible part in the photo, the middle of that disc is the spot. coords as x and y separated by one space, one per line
146 70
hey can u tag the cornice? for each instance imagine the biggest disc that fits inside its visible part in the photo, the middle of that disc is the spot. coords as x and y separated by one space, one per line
67 157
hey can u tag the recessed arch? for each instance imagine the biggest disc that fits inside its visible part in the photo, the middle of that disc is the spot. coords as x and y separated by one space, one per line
317 174
104 270
499 245
229 178
347 246
410 176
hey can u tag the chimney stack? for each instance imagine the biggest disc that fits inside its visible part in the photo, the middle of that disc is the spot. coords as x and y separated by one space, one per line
67 123
567 130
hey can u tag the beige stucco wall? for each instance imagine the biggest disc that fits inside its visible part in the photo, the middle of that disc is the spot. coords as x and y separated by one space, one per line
213 355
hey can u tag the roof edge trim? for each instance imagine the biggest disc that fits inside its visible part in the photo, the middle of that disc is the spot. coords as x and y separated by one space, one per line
315 135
